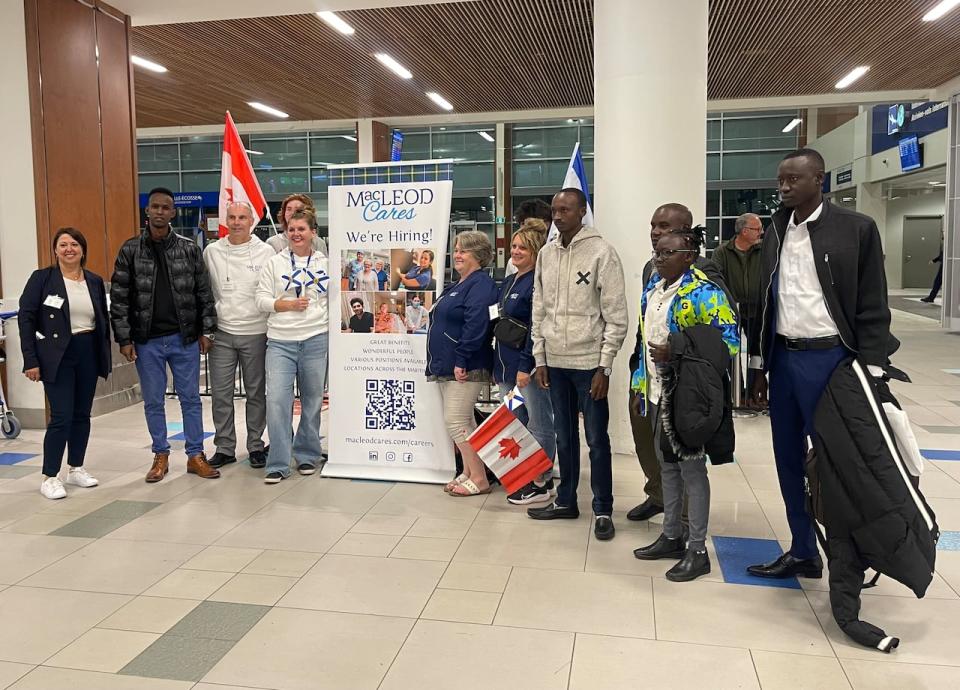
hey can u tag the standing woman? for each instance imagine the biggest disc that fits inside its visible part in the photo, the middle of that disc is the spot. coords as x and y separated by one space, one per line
293 293
65 339
289 206
459 352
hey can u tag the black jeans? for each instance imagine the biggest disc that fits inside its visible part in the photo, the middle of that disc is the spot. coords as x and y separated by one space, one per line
570 395
71 398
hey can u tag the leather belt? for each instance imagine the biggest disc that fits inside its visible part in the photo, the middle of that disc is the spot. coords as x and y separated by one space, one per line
798 344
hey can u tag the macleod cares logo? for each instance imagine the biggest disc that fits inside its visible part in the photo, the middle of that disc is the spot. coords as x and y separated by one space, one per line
389 204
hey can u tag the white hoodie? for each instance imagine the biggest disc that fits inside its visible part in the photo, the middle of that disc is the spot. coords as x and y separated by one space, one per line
234 274
275 283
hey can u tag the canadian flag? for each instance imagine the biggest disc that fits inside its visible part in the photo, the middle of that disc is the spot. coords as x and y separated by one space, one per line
237 179
509 450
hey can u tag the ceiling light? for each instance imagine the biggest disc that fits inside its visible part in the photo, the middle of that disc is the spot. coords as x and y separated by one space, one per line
439 100
254 153
793 123
941 9
337 23
146 64
485 135
348 137
394 66
267 109
847 198
855 74
937 184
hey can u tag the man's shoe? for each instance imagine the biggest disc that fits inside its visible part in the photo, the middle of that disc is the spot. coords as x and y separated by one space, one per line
603 528
198 465
928 300
80 477
645 511
663 547
306 469
159 468
693 565
554 512
273 478
220 459
52 488
531 493
788 566
258 459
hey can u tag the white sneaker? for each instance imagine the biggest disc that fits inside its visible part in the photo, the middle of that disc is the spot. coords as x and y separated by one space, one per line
52 488
80 477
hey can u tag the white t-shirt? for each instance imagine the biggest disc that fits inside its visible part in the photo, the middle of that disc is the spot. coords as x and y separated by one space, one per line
82 316
656 329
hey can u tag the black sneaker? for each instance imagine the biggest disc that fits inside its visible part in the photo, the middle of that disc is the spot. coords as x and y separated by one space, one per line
531 493
220 459
553 512
273 478
258 459
306 469
603 528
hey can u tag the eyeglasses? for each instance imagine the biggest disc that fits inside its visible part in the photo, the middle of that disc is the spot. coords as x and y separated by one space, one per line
667 253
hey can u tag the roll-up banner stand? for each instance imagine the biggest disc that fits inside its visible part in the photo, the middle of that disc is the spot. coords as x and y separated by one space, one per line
388 239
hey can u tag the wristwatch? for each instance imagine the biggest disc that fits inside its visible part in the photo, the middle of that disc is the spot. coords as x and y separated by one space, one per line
606 371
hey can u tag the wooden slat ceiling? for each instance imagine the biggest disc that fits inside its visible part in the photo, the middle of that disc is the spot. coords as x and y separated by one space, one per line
491 55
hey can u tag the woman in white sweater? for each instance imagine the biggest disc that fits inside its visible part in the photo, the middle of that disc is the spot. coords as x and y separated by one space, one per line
293 292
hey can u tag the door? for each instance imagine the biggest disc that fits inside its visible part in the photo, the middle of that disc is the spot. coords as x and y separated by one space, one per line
921 242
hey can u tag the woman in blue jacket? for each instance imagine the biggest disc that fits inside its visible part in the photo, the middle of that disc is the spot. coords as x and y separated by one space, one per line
459 352
65 340
514 366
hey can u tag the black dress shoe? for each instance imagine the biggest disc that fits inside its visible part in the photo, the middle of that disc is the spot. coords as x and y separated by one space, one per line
788 566
220 459
663 547
258 459
693 565
603 528
645 511
554 512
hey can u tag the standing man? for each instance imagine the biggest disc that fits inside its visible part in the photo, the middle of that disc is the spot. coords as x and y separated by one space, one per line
739 261
938 279
579 323
163 313
824 298
234 264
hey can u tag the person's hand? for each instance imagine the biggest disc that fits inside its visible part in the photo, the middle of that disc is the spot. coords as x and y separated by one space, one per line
542 377
297 304
523 380
33 374
129 352
599 386
205 344
460 374
660 352
758 392
635 403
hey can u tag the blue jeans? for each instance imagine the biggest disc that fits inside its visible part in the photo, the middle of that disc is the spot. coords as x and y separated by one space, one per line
536 414
306 362
570 395
153 357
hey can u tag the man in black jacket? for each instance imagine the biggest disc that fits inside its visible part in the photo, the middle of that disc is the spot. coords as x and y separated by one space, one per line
824 299
163 313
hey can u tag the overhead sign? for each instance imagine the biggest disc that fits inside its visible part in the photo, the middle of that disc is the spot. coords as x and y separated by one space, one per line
844 176
920 118
182 199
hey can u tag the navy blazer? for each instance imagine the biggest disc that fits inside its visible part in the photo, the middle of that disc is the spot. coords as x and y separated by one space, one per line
45 330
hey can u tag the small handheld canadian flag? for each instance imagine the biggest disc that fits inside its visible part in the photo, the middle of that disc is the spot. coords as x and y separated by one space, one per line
509 450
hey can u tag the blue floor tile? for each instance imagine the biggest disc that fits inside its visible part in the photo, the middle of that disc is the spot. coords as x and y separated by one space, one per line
934 454
736 553
949 541
181 437
174 426
14 458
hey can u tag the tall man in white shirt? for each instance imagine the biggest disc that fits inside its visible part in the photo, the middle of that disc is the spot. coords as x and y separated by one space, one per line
824 299
234 264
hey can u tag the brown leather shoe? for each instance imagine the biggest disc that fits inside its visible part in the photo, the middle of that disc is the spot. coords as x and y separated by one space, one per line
159 468
198 465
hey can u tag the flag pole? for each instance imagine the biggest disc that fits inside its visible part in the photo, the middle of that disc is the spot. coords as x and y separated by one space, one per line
274 225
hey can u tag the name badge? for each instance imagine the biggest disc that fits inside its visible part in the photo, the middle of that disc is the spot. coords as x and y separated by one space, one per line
53 301
494 311
228 286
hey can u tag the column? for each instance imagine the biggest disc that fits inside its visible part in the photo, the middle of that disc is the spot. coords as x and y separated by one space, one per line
951 230
650 110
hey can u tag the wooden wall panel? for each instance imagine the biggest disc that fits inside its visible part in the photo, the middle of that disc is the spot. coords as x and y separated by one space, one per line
382 142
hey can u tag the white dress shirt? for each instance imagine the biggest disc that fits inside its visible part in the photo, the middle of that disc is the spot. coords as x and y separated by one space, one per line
656 329
801 308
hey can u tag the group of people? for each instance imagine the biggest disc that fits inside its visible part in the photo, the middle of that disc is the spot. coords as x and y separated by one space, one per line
413 318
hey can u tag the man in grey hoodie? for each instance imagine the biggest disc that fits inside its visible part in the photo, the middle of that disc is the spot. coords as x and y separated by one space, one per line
579 323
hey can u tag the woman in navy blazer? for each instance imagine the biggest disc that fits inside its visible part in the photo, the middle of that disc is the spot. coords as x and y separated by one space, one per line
65 339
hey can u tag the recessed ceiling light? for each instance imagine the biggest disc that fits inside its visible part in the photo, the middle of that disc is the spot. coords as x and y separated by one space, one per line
855 74
439 100
937 184
147 64
348 137
940 9
337 23
485 135
394 66
267 109
791 125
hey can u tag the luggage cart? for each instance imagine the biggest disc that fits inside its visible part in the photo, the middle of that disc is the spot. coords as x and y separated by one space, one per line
9 424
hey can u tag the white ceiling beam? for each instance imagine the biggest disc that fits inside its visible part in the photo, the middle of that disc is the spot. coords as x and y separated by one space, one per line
819 100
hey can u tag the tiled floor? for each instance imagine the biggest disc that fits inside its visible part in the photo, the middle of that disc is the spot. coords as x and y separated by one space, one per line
327 583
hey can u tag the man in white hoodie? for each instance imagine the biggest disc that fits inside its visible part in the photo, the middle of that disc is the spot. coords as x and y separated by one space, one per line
234 263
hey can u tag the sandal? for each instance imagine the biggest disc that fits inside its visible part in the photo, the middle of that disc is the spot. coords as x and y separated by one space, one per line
468 488
451 485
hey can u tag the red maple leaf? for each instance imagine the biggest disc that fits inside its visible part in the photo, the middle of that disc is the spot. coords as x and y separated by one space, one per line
509 447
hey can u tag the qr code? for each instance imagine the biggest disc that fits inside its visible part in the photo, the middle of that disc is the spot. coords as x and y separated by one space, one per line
390 405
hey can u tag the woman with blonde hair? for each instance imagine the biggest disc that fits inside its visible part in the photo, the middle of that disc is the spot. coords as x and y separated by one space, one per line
292 204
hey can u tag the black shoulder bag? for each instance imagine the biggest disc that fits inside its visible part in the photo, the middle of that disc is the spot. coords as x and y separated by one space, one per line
508 330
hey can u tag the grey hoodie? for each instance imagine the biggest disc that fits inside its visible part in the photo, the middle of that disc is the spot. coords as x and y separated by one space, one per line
579 303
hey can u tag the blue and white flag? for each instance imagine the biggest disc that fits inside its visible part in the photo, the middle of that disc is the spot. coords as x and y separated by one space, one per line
576 177
514 399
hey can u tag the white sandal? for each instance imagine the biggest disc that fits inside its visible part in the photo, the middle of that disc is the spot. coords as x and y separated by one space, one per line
472 489
460 478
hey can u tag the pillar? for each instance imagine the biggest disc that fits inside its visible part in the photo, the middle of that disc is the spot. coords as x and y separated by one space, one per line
650 111
951 229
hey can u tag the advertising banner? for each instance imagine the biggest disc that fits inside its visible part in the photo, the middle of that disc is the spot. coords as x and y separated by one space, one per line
387 245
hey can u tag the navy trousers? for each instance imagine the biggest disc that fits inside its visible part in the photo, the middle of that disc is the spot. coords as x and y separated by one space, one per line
797 380
71 400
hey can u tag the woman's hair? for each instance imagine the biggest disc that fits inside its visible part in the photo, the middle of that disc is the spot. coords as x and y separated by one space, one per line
302 198
477 243
76 235
693 236
307 215
532 235
430 252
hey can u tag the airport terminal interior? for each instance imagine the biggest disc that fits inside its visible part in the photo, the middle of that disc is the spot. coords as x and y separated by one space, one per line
366 583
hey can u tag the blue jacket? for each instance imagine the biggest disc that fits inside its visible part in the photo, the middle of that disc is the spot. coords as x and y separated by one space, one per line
45 330
460 332
516 296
